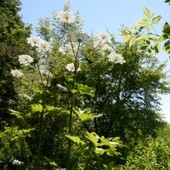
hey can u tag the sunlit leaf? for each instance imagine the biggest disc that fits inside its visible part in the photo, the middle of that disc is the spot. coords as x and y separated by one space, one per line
85 114
76 139
36 107
99 151
146 12
155 20
93 138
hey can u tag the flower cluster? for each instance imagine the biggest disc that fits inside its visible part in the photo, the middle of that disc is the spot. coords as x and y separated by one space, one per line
70 48
66 16
70 67
80 37
102 41
16 73
104 37
25 59
17 162
40 44
44 70
116 58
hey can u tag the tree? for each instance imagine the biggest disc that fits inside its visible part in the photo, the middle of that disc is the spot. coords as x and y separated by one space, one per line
12 43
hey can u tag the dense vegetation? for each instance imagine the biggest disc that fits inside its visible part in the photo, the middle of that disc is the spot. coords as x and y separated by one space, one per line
74 101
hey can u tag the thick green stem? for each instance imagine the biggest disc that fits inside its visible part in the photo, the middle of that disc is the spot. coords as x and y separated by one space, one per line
72 105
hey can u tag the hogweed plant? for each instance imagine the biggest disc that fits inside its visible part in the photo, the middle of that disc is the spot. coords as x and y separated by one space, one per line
38 66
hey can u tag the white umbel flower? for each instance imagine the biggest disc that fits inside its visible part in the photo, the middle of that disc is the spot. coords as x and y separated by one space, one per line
40 44
16 73
17 162
70 48
33 41
43 46
44 71
104 37
116 58
66 16
70 67
100 45
25 59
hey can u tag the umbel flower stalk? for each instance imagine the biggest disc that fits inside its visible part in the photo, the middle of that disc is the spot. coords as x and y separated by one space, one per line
72 105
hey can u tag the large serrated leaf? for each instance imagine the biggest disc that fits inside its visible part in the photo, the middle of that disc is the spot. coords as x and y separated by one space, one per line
85 115
93 138
75 139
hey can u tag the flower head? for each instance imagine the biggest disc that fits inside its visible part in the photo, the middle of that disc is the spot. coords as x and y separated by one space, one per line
33 41
44 70
100 45
70 48
66 16
79 37
16 73
17 162
116 58
40 44
70 67
104 37
25 59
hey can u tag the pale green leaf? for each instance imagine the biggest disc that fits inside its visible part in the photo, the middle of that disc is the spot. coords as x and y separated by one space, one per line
146 12
36 107
93 138
144 22
74 91
53 164
84 89
85 114
17 114
76 139
155 20
99 151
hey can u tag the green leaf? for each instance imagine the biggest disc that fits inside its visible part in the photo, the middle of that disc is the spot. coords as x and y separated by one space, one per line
131 41
84 89
99 151
144 22
104 141
36 108
17 114
155 20
85 116
93 138
111 151
146 12
74 91
75 139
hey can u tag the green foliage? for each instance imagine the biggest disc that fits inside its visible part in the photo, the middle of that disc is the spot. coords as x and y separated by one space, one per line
85 115
78 109
167 1
14 146
144 35
151 153
13 34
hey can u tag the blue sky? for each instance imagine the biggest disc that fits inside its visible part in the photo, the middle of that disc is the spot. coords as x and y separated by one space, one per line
99 15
